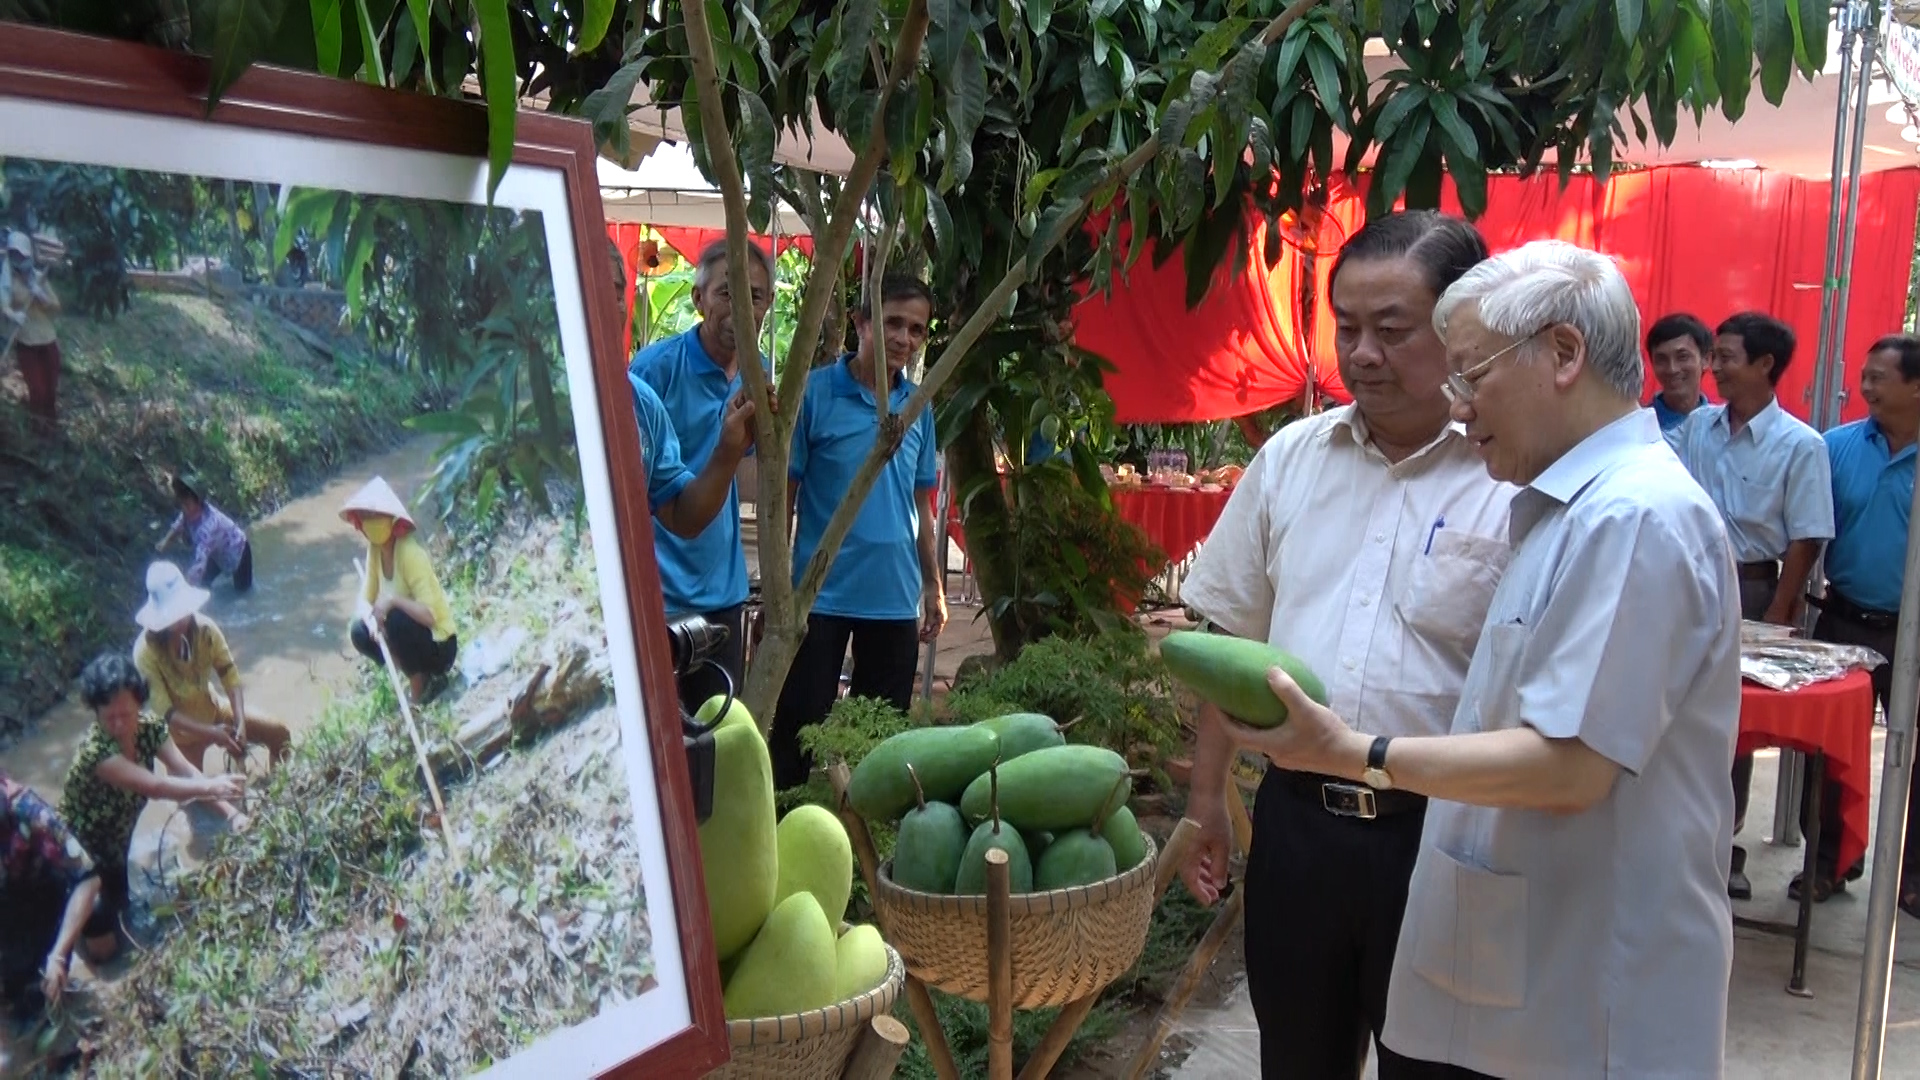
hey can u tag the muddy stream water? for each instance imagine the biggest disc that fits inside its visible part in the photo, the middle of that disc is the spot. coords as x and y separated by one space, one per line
288 635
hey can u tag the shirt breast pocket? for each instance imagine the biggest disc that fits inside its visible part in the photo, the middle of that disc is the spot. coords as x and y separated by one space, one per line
1447 594
1470 931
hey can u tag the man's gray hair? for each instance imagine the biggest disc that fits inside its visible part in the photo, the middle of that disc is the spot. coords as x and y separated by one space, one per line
1536 285
715 253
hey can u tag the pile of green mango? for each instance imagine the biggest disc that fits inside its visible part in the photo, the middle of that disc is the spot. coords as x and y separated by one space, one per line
1058 810
777 890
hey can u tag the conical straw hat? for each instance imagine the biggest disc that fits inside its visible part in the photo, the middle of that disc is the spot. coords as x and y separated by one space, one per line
375 498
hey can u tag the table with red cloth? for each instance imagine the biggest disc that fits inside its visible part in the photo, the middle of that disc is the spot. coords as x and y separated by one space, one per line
1175 519
1830 721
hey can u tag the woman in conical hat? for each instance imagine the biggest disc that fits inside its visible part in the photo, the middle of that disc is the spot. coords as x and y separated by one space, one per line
400 594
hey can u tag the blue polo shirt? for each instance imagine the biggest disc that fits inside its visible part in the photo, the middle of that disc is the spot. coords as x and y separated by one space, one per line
667 475
1669 417
877 572
708 572
1872 495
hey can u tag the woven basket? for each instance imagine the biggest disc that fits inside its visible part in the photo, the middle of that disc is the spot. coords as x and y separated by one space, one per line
810 1045
1067 943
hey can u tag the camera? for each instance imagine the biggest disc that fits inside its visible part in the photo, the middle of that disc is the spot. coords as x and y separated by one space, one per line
695 642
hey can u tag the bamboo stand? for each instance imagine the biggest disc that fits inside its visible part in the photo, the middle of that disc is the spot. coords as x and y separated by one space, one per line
1183 989
999 957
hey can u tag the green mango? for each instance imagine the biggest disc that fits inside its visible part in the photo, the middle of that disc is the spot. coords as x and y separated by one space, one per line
861 963
926 853
945 759
737 713
1076 857
1231 673
1022 733
816 857
1122 832
972 879
1061 787
792 964
739 843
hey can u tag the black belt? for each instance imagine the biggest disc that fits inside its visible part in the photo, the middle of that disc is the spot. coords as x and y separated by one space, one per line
1344 798
1760 571
1840 607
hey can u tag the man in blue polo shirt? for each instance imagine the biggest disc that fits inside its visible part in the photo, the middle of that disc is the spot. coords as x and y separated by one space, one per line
1872 462
1678 346
885 591
697 378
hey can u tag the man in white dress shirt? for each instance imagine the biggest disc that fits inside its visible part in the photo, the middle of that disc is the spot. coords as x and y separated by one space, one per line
1367 540
1568 915
1768 473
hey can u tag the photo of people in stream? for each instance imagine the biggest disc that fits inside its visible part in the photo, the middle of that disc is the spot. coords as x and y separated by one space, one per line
309 754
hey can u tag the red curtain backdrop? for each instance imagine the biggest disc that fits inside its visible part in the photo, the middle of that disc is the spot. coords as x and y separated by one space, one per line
689 242
1239 352
1709 241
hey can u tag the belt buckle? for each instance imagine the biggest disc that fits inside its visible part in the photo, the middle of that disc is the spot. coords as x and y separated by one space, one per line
1349 800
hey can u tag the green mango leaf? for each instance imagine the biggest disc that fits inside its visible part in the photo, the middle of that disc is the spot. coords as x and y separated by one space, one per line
241 29
1809 19
372 69
1039 16
1469 180
593 26
1447 111
1401 156
1776 57
1732 28
500 84
422 13
1326 83
406 47
1629 13
966 91
326 35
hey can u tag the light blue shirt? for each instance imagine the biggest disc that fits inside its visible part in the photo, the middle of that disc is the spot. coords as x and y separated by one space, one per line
1771 481
1598 944
1872 496
708 572
667 475
877 572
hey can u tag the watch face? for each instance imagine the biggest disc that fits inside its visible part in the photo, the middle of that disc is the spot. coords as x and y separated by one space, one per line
1378 778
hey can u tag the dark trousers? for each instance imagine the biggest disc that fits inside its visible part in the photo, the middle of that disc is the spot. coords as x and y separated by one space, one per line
1756 595
697 687
885 654
1844 631
1325 896
412 645
242 574
40 369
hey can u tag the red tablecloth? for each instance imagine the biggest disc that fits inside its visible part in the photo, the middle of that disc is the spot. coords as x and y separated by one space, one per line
1176 520
1834 718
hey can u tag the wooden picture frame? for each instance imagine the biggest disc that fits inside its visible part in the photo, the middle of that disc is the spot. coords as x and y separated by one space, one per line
135 106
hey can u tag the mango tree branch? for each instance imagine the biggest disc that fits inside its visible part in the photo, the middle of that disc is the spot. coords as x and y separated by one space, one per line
877 321
984 316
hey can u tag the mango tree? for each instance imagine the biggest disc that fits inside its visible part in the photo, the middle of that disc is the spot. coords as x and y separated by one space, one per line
1184 120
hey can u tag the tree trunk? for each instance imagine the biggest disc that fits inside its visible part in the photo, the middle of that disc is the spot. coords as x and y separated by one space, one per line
988 525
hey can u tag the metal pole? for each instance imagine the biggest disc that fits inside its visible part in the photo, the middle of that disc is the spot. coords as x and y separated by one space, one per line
941 509
1830 284
1837 358
1896 771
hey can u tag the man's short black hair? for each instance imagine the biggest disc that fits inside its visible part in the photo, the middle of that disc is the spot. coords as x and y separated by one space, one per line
1762 335
1445 247
1680 324
108 674
895 287
1907 348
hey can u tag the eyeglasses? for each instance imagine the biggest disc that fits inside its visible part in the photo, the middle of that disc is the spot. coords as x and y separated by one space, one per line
1459 384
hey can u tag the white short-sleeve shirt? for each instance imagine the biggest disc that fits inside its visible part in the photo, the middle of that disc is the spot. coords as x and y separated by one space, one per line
1376 575
1597 944
1772 481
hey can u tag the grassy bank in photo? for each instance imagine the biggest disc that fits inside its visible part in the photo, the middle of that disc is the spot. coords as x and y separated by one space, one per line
336 936
225 390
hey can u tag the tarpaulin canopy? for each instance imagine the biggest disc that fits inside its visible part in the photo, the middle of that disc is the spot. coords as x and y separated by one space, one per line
1709 241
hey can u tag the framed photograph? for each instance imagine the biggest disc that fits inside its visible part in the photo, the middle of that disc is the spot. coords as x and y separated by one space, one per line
342 455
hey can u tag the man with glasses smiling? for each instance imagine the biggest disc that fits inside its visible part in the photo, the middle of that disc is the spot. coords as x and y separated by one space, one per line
1568 914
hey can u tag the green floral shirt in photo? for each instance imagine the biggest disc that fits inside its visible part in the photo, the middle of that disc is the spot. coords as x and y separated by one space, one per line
101 815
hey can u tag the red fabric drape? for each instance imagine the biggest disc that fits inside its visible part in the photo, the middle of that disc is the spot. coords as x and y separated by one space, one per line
689 242
626 237
1237 353
1709 241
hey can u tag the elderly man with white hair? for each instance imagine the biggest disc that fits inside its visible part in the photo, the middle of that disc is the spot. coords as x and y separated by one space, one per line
1568 915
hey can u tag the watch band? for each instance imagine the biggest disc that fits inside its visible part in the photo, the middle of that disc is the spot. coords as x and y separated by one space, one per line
1377 753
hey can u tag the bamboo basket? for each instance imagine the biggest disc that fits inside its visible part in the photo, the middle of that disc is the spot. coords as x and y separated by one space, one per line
810 1045
1066 944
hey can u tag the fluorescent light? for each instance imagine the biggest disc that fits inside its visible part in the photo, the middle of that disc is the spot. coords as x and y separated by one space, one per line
1729 163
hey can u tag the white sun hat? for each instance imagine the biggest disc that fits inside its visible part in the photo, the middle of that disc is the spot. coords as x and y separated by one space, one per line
169 598
375 498
20 243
